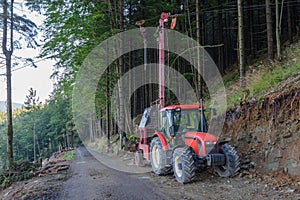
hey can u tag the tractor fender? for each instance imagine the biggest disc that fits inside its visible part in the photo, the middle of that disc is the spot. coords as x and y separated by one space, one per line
179 146
182 146
224 141
162 139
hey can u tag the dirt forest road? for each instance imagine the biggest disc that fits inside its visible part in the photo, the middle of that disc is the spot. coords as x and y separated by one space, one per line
92 180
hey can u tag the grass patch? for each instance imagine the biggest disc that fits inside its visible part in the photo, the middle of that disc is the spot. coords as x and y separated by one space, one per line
235 98
266 79
69 155
271 80
230 78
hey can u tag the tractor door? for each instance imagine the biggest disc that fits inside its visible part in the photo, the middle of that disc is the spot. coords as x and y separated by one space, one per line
171 121
167 123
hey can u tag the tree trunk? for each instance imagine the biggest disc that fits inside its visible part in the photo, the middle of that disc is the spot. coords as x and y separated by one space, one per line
121 73
241 43
91 130
34 141
277 30
200 71
289 22
269 31
220 37
8 55
251 30
108 108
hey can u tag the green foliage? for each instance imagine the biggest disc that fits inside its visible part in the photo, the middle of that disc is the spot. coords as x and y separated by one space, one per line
21 171
2 118
69 155
189 75
32 101
271 79
52 121
230 78
131 138
236 98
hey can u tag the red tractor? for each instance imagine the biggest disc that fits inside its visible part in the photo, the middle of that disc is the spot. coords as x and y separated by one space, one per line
174 138
180 143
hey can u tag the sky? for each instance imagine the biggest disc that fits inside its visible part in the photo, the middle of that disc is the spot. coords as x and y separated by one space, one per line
29 77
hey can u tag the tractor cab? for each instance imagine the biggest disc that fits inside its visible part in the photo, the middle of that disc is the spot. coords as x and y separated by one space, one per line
186 125
178 119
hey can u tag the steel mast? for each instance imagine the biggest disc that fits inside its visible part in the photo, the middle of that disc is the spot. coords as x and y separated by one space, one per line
163 18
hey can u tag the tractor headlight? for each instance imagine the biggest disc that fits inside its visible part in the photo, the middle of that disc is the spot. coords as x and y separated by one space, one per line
211 147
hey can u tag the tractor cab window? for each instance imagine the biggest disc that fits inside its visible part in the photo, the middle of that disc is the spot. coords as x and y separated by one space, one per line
167 122
189 120
181 121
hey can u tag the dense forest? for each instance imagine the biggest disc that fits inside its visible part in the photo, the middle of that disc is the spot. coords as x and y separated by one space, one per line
39 129
234 33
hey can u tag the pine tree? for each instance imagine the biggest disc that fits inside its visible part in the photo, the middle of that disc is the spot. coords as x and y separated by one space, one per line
8 51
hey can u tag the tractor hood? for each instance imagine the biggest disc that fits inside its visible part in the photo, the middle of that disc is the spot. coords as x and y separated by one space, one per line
205 137
202 143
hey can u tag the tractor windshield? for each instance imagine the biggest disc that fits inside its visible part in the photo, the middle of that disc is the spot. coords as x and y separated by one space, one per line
187 120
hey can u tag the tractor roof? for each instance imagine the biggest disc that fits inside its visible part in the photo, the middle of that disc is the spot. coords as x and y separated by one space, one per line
183 107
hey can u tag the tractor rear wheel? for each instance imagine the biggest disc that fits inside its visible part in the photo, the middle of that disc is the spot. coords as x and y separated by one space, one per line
232 164
183 165
158 157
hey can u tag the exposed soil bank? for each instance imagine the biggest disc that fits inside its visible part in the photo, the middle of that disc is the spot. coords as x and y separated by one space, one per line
268 131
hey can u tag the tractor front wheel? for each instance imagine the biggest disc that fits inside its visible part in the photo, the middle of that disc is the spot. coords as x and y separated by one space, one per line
158 157
183 165
232 164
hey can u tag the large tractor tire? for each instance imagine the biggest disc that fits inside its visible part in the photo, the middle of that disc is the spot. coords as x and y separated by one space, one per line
232 164
158 157
183 165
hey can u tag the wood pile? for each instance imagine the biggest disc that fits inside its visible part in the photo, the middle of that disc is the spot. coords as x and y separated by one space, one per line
55 164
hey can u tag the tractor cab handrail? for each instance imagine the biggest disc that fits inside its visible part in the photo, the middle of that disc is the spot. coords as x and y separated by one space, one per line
183 107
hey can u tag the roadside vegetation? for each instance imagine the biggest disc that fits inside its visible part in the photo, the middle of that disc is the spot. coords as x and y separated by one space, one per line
262 79
39 131
21 171
69 155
